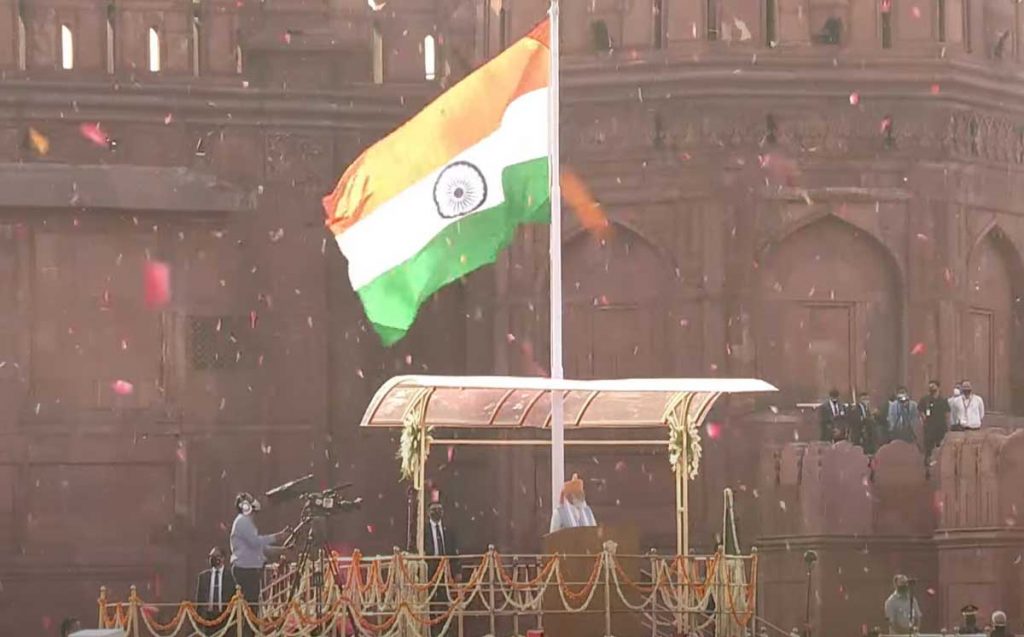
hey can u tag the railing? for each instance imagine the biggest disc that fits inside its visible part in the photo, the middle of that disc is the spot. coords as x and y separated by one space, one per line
410 596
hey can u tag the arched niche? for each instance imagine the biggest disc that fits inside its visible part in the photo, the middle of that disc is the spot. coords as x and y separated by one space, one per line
991 322
616 296
829 314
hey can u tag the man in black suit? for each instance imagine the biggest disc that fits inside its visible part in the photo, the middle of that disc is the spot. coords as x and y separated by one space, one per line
862 421
214 588
440 541
832 418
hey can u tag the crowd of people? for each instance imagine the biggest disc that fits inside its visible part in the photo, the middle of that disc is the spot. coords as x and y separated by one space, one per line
862 424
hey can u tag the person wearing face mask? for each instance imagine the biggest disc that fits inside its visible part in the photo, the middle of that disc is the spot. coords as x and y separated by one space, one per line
902 417
863 423
249 548
956 410
973 407
934 409
832 418
441 539
214 587
901 608
573 510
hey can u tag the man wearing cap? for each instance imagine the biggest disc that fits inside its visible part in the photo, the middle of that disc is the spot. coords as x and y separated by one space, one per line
969 625
901 608
572 510
999 625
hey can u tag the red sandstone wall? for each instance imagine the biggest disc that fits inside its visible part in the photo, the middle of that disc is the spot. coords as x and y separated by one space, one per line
839 261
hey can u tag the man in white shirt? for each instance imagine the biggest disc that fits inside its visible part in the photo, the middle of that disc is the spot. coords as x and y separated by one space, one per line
214 587
973 407
956 410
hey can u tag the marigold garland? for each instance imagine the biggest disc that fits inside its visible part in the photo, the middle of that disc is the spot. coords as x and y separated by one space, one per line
360 595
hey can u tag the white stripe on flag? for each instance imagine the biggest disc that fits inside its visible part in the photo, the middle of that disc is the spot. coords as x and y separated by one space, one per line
400 228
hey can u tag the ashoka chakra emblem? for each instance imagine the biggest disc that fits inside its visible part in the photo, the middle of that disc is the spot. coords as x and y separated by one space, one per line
459 190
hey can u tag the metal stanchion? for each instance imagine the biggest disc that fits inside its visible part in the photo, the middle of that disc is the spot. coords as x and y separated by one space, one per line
607 594
491 554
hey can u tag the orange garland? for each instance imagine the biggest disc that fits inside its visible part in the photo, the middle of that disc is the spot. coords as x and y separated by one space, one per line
748 595
356 583
587 587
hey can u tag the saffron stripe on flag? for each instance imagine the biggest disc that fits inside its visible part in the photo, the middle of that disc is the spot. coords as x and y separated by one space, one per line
457 120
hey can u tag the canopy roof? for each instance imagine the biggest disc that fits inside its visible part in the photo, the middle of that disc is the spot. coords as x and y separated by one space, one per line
492 402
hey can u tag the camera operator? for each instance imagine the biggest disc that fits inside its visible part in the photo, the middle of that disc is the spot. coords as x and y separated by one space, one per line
249 548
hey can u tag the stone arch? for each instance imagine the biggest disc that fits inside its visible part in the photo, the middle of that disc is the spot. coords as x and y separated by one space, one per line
991 325
771 243
830 313
616 292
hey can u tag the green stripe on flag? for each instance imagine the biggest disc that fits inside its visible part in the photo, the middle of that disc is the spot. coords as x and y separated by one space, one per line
392 300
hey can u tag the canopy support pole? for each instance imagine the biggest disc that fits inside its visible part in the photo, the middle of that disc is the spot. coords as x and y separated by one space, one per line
421 516
417 413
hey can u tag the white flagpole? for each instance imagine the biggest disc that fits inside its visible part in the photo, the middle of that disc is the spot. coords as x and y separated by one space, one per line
555 250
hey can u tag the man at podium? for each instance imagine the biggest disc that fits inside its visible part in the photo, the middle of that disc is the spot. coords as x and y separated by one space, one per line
572 510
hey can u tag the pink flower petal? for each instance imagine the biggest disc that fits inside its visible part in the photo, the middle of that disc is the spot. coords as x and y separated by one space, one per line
157 279
94 134
122 388
918 349
854 98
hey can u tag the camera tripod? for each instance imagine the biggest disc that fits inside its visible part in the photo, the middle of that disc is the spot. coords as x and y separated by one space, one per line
314 565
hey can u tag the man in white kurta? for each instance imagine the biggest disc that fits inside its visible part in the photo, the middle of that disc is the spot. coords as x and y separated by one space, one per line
572 510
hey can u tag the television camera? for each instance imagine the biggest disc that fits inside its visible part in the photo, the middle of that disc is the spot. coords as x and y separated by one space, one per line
314 562
315 504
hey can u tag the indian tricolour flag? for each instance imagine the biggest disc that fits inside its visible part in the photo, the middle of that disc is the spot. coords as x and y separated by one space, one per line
443 194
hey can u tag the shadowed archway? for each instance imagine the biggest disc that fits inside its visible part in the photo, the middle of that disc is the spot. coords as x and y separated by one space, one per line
991 323
829 314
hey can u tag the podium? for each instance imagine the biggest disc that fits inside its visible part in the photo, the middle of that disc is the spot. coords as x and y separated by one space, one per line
582 543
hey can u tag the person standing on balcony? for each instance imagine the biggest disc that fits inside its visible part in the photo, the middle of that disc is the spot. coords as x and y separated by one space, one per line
901 608
441 539
956 410
573 510
832 418
902 417
214 588
249 548
934 409
973 407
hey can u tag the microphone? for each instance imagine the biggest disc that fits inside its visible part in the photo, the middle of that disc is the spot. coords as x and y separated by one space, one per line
285 491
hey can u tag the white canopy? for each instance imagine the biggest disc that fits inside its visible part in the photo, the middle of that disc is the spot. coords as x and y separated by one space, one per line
518 401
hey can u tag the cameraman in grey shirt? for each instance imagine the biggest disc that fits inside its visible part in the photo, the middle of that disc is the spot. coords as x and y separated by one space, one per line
248 548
